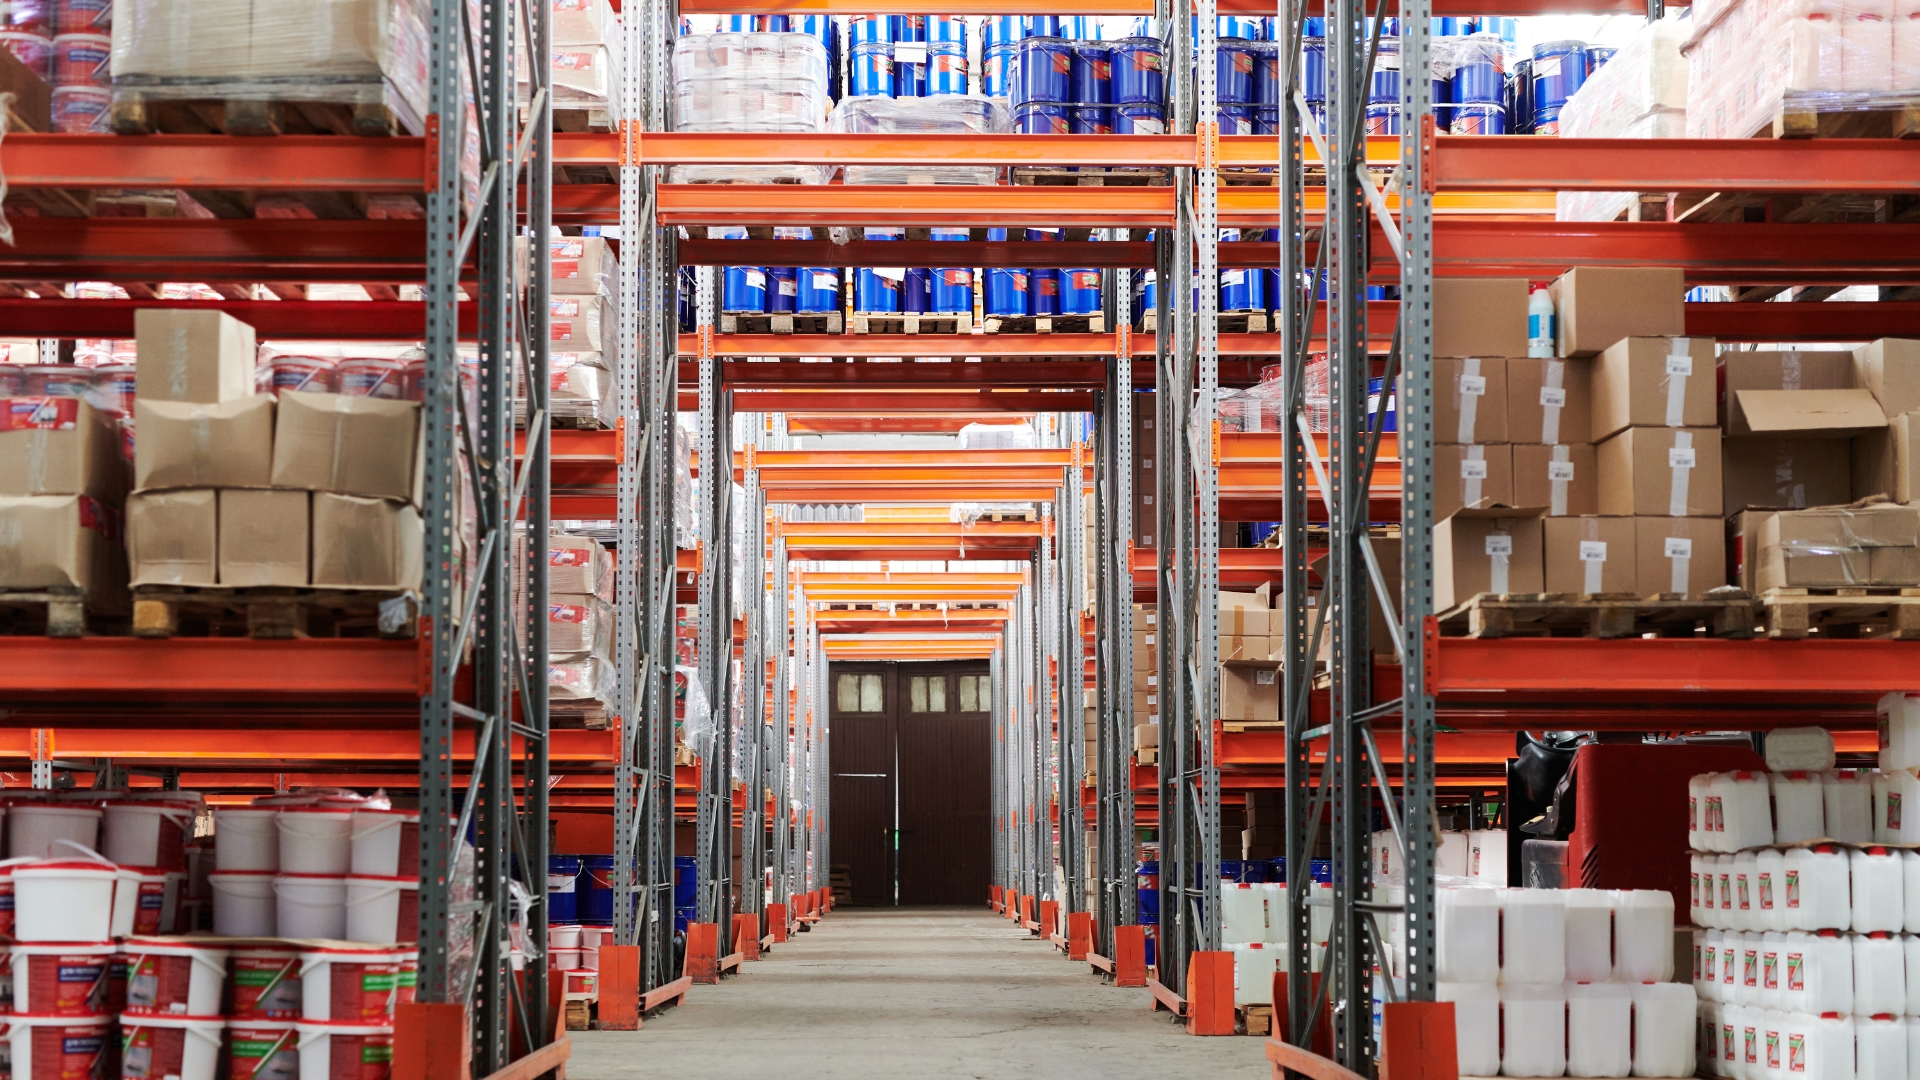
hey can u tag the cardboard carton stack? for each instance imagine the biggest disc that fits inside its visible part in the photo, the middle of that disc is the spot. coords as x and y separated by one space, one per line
1146 680
1265 834
580 675
234 488
63 482
583 328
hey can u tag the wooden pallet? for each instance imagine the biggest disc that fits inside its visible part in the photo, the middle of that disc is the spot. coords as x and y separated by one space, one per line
1882 612
1229 322
135 112
582 118
579 715
60 613
1725 613
579 1014
164 611
1046 324
1090 176
1248 176
910 324
1800 118
784 323
1148 756
1256 1019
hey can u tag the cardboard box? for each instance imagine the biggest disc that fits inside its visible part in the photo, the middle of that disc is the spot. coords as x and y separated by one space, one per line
1146 704
1146 681
1146 651
1679 555
1883 461
173 537
1493 549
1893 565
1643 382
192 355
1249 690
1386 550
1777 371
63 541
345 445
60 446
1469 400
1471 476
192 444
1237 647
32 107
1805 414
1144 616
581 264
1786 474
1808 548
1560 478
1595 306
265 537
1484 317
1743 546
1660 472
575 564
1146 736
578 627
1263 843
1266 809
365 543
1243 614
1890 368
1549 401
1589 555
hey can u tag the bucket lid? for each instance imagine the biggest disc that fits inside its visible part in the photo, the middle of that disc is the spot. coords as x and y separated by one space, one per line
343 1027
171 1020
242 873
359 951
65 867
242 1024
404 881
277 876
170 945
56 809
46 948
40 1020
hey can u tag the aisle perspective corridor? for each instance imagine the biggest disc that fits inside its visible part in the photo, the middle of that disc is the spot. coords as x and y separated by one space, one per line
920 992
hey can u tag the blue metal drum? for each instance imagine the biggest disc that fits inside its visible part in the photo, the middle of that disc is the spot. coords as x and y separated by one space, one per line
999 30
1042 71
1233 72
1079 291
1506 26
1450 27
594 896
1043 292
1559 68
1144 26
740 24
1266 121
1479 83
996 70
952 285
1236 120
1383 119
1597 57
1146 882
907 27
1479 120
686 880
1313 69
1006 292
868 29
774 24
870 70
916 291
743 290
946 69
819 290
909 69
1520 98
1139 120
1390 420
1090 120
1386 73
1040 26
1268 85
1041 119
684 305
1089 81
1314 28
1241 290
783 289
949 29
1137 71
1080 28
563 878
877 291
1239 27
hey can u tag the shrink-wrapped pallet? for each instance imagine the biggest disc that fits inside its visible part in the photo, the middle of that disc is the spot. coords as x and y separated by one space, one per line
950 114
1787 64
1639 94
750 82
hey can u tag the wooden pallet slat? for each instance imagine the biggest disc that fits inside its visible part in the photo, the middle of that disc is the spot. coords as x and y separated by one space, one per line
1045 324
164 611
1891 612
887 323
1724 613
54 612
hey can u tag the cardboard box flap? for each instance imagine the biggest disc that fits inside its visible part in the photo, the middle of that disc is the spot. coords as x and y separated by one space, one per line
1836 413
1497 510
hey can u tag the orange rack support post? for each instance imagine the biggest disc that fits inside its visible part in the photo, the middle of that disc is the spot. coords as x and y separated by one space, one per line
993 897
1049 918
430 1042
1417 1041
1129 956
1210 993
746 935
1079 934
620 987
777 922
703 953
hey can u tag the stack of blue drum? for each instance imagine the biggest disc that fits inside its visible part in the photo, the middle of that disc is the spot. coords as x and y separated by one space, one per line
818 26
914 290
906 56
776 290
686 892
1012 293
1062 80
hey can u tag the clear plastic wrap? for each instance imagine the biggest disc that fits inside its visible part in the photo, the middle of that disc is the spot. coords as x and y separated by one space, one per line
1639 94
697 718
686 524
946 115
1451 53
1752 60
750 82
582 323
998 437
590 679
580 388
583 22
1867 543
579 628
335 51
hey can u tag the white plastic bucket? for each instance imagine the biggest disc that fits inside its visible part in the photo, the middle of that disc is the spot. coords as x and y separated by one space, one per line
1476 1025
350 986
35 828
590 958
268 1049
174 976
1599 1029
383 910
57 1047
63 900
321 1045
160 1047
126 899
65 979
1590 936
1243 913
1642 935
244 903
266 983
311 905
565 959
592 937
385 843
155 895
563 937
246 838
316 840
146 833
1535 1022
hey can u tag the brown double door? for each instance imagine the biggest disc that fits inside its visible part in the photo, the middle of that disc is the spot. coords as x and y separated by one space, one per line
912 781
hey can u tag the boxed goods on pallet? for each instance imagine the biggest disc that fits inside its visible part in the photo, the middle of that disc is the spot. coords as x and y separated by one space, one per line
947 115
750 82
1641 93
60 446
1598 306
1802 67
1496 549
1825 547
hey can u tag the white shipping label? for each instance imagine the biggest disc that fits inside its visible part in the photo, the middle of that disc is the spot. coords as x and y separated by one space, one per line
1546 69
1473 384
1553 397
1679 547
1680 365
1500 544
789 287
890 273
909 52
1593 551
1560 470
1263 677
1680 457
825 280
756 279
1232 277
1473 468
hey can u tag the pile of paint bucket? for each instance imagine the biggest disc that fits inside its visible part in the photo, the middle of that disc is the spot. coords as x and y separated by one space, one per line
752 290
906 56
69 45
334 866
1063 80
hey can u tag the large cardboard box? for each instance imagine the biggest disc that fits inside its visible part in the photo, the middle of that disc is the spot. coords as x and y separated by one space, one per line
1595 306
1660 472
1145 704
1809 414
1893 565
1146 651
1492 549
1146 736
192 355
1249 690
1808 548
1743 546
1471 476
1787 474
1560 478
1144 616
1243 614
63 541
59 446
575 564
1679 555
1653 382
1386 551
265 537
1883 461
1890 368
1469 400
1777 371
1237 647
1589 555
173 537
1484 317
365 543
345 445
581 264
579 627
1549 400
225 444
1146 680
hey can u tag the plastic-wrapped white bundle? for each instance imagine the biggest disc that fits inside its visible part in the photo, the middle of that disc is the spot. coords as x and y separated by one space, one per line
749 82
580 387
583 22
998 437
1753 59
1639 94
686 523
580 680
945 115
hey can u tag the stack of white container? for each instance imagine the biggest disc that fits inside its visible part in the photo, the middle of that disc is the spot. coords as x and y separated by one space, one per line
1253 926
335 866
749 82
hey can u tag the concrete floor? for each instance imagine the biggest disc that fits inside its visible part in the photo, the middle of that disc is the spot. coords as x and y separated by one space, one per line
913 992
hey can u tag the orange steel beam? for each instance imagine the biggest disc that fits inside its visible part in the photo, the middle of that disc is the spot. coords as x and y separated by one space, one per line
835 148
865 402
284 163
957 461
770 204
286 744
1830 166
183 249
812 578
1134 7
924 494
802 531
229 669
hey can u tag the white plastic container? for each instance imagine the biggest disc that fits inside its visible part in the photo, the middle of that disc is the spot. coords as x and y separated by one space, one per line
563 937
265 1049
1827 973
1533 936
346 985
1745 800
385 910
1599 1029
1696 874
1747 989
310 905
1697 837
1897 806
1849 810
1534 1029
322 1045
1799 807
1467 935
1487 856
1879 975
1826 1042
316 840
266 983
149 1049
1706 960
1910 946
247 838
1819 896
1742 1025
61 978
1706 1039
126 900
1746 893
1773 1030
79 1046
1730 960
590 961
1663 1029
244 903
1769 872
1254 964
1450 858
565 959
1793 971
1773 947
146 832
1643 935
64 900
174 976
1713 811
1899 716
1880 1047
1728 1052
1723 890
1476 1025
1243 913
1589 930
1879 890
1910 890
1797 748
385 843
35 828
1273 895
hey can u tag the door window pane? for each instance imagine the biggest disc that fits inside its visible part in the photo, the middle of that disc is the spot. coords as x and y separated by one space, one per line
937 693
870 694
917 694
848 689
976 693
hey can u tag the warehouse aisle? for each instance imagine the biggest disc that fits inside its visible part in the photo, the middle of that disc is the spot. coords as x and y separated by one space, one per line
922 992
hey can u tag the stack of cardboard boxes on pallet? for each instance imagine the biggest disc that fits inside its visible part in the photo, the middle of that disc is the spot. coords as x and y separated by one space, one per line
1249 667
